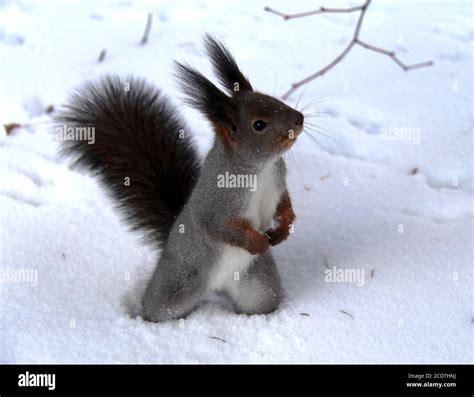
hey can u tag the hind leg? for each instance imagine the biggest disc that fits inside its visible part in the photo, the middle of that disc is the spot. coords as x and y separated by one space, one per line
173 292
258 290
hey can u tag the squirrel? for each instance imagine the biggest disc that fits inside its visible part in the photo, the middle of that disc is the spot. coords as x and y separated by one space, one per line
214 238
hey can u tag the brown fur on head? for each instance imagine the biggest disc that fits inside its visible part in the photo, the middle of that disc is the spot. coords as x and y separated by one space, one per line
251 125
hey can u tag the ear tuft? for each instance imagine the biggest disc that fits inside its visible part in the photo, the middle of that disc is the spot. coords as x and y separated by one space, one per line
201 94
225 66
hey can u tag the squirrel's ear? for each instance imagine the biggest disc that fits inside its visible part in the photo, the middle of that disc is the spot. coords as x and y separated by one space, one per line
225 66
201 94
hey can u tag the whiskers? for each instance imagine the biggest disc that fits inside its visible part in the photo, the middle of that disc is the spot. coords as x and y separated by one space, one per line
287 154
309 130
316 101
310 115
290 157
317 129
315 115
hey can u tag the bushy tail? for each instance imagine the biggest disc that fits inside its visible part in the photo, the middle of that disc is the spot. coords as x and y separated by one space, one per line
139 152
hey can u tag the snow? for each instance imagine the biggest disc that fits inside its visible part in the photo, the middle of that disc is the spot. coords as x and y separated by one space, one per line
397 211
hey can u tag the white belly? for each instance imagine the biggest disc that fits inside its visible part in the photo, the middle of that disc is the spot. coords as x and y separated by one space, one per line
231 266
264 200
234 261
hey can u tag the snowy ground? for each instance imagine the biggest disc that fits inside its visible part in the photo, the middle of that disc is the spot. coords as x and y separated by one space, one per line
400 211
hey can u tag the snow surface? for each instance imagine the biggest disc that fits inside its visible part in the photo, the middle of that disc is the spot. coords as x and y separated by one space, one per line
353 193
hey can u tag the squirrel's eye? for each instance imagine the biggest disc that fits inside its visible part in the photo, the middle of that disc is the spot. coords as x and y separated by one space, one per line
259 125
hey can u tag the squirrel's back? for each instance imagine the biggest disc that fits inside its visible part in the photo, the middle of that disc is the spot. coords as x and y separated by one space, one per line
142 151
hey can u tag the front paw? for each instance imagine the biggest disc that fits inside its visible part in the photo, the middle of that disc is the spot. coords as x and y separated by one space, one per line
277 235
258 245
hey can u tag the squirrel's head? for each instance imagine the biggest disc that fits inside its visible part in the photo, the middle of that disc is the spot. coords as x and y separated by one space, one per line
252 125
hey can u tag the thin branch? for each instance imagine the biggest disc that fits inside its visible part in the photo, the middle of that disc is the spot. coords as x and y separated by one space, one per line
9 127
217 338
102 56
315 12
392 55
149 21
354 41
321 72
346 313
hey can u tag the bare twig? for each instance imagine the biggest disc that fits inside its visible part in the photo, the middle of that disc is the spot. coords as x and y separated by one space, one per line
315 12
217 338
102 56
149 21
346 313
325 177
392 55
354 41
9 127
326 263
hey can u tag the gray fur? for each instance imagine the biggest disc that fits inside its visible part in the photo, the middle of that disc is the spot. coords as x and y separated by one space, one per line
181 279
215 238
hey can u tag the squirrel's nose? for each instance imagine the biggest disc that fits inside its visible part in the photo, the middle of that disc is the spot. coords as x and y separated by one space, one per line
299 119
